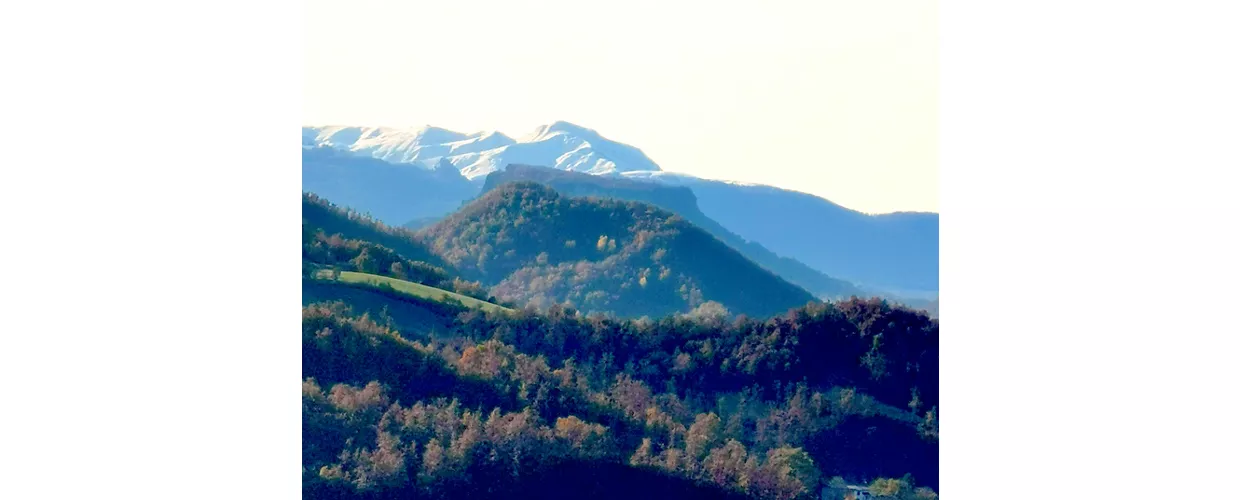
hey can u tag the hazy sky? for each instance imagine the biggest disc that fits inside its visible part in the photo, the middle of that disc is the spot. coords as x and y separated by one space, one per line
835 98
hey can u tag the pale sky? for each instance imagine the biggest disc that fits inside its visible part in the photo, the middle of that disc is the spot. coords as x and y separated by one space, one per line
834 98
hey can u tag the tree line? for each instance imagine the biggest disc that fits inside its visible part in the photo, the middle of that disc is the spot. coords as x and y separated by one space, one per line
751 441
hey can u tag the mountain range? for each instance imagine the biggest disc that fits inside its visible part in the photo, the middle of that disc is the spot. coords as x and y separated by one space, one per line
464 359
410 181
561 145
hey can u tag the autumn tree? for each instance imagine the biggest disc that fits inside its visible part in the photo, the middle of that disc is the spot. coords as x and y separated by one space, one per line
709 312
891 488
583 439
787 473
398 271
704 434
433 458
929 427
372 469
725 466
643 457
365 262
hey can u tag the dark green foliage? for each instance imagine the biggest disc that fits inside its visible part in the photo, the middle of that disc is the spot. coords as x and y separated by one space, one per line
821 344
351 247
859 449
535 246
339 348
319 214
367 257
412 398
646 400
678 200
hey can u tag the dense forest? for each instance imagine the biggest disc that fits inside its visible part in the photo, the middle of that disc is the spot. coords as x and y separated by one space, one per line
533 245
406 397
678 200
694 398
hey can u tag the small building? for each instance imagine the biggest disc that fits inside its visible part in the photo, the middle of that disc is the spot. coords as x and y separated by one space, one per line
848 492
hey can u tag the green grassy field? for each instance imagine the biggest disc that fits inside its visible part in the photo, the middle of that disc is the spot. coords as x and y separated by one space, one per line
411 288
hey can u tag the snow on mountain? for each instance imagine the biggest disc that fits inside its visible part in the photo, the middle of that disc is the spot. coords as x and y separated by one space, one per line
402 145
890 251
561 145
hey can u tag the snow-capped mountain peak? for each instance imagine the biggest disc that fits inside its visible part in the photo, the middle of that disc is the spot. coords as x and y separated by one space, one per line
560 128
479 142
430 134
560 145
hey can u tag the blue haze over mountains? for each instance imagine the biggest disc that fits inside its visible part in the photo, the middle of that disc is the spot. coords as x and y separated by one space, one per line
413 177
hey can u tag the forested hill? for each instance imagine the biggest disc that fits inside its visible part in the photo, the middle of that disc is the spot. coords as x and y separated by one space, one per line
536 246
681 201
317 213
411 395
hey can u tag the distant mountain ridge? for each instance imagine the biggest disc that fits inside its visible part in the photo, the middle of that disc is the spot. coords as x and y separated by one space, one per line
390 192
897 252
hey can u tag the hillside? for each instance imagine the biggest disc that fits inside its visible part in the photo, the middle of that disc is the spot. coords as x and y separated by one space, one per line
533 245
408 395
892 254
417 290
367 251
682 202
318 213
494 404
